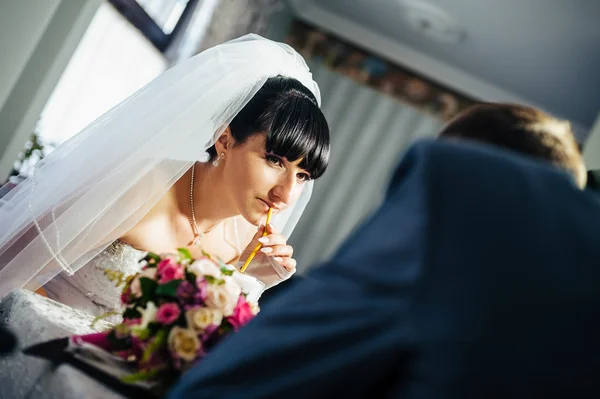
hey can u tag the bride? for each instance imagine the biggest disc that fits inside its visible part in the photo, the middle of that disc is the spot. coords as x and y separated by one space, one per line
194 159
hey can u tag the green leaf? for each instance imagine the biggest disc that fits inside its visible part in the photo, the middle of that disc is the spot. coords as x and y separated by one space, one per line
156 344
190 277
148 288
226 271
221 263
214 280
117 344
102 317
152 259
141 333
169 289
145 375
226 328
185 254
131 313
153 327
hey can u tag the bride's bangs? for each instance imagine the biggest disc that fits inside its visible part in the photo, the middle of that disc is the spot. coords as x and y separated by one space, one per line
299 131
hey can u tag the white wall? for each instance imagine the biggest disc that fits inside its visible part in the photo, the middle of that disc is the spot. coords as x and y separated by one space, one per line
37 39
281 22
591 154
18 40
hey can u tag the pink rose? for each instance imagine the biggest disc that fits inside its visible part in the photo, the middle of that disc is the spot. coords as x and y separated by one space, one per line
125 297
170 270
165 263
242 314
98 339
168 313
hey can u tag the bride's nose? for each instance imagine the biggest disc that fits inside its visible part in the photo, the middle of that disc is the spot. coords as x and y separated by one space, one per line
284 190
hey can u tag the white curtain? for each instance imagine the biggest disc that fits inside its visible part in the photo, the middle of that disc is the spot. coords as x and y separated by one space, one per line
369 133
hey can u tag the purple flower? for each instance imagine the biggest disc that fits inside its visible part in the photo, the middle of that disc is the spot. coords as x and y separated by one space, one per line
208 333
200 296
186 290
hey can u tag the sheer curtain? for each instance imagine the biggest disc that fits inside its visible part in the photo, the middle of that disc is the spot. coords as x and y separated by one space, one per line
369 132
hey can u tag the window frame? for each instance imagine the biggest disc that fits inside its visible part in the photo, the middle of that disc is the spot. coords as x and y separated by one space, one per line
138 17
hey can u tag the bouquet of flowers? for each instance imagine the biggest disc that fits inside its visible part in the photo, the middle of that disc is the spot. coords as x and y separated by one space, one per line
176 309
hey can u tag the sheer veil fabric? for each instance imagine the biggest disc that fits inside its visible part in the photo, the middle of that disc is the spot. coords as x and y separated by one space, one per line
100 183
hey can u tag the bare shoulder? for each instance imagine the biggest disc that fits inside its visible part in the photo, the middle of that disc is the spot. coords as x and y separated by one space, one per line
156 230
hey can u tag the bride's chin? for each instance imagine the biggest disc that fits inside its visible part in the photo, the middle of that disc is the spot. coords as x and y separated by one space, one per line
254 218
254 214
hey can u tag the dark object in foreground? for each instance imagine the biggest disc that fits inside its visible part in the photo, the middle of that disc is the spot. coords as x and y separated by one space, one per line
96 364
7 341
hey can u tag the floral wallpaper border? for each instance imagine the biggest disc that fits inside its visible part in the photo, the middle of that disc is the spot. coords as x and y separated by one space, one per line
373 71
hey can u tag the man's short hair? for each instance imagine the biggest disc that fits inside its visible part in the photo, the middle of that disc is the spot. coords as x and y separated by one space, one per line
522 129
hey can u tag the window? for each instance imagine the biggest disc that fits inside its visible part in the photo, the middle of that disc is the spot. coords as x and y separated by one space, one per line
158 20
112 61
122 50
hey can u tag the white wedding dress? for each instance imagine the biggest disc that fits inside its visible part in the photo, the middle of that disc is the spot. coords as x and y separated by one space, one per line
89 289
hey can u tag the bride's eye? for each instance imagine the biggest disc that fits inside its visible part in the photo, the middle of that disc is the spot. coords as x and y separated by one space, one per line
274 159
303 177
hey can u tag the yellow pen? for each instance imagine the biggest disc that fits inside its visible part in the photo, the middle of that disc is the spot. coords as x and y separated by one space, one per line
257 248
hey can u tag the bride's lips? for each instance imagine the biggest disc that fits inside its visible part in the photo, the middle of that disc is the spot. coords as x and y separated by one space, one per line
268 205
265 204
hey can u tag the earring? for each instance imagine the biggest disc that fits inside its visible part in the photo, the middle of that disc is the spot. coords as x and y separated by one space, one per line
216 161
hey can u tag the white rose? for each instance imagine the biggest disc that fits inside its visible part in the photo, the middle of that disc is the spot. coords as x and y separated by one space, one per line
217 317
199 319
254 308
205 267
184 342
251 286
223 296
232 287
136 287
148 314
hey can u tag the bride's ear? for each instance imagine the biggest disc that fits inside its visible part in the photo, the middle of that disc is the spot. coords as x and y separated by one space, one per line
225 141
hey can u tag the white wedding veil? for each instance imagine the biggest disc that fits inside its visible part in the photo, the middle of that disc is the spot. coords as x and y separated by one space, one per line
96 186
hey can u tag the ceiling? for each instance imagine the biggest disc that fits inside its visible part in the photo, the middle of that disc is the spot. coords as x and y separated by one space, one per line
541 52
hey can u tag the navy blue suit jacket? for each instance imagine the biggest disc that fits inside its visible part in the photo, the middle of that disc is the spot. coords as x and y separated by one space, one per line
479 277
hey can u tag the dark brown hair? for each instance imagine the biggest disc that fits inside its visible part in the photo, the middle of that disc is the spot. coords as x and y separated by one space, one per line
288 113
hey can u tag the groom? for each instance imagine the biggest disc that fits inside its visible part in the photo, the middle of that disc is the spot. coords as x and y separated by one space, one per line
477 278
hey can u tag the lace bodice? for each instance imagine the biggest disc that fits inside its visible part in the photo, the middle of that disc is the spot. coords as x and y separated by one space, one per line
89 289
